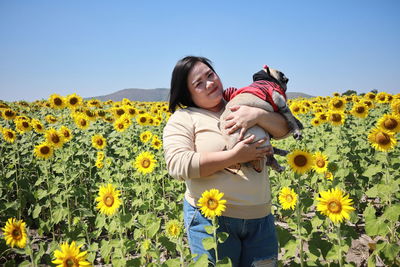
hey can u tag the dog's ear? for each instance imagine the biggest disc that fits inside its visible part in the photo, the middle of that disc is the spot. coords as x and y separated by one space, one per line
261 75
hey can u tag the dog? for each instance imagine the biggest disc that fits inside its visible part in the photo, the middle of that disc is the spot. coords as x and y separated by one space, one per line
268 92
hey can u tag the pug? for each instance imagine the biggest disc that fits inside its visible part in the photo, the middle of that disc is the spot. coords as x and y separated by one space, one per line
268 92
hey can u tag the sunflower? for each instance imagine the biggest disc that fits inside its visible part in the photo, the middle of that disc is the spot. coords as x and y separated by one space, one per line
143 119
51 119
295 108
56 101
9 135
99 164
382 140
54 138
287 198
390 122
328 175
64 131
145 162
322 116
15 233
300 161
37 126
44 150
156 143
315 122
211 204
81 121
321 162
131 111
73 101
337 104
359 110
101 113
396 107
381 97
336 94
23 126
370 96
100 155
173 229
94 103
335 204
126 119
70 255
9 114
145 136
118 111
108 199
120 125
336 118
98 141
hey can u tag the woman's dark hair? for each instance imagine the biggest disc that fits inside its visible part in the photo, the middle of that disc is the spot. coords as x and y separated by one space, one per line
179 94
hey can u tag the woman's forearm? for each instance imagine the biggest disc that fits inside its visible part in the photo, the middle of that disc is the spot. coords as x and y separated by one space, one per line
274 123
211 162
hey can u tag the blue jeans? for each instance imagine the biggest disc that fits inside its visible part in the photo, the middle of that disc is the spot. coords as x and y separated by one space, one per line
251 242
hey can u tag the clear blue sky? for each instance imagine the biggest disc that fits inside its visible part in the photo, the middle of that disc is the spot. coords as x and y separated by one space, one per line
96 47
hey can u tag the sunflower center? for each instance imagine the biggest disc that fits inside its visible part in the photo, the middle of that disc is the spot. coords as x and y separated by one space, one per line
289 198
39 127
372 97
360 109
45 150
338 104
83 123
320 163
132 111
109 201
335 206
73 101
156 143
336 117
10 135
120 112
55 139
9 113
121 126
66 133
382 138
390 124
212 204
99 142
300 160
296 109
25 124
16 234
143 120
57 101
322 117
146 163
69 262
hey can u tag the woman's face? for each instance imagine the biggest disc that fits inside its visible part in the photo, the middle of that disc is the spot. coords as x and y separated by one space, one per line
205 87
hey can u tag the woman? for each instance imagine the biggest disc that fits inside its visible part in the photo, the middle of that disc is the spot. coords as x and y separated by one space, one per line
194 152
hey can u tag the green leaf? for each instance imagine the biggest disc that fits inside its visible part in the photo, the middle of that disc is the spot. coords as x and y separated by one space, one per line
392 213
375 227
222 237
36 211
209 229
172 263
372 170
201 262
153 228
208 243
105 250
391 251
24 264
225 262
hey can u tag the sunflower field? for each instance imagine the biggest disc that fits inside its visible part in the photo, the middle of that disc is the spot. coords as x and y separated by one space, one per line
84 182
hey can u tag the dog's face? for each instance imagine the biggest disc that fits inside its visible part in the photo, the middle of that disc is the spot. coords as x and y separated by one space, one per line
279 76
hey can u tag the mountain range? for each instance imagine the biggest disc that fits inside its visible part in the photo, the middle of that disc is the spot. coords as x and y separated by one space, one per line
158 94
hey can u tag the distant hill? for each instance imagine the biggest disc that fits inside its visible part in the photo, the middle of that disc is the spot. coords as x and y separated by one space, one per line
158 94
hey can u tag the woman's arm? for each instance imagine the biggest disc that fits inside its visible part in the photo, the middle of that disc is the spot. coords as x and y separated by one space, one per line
245 117
244 151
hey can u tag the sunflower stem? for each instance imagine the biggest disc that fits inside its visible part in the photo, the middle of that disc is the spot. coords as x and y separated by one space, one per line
215 226
340 246
297 178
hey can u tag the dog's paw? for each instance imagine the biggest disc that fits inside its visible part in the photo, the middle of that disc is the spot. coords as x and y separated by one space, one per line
297 135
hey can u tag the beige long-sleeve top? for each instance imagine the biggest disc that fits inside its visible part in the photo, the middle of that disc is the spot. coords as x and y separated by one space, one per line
191 131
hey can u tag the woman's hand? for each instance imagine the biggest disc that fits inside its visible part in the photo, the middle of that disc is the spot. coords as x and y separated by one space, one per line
243 118
246 150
